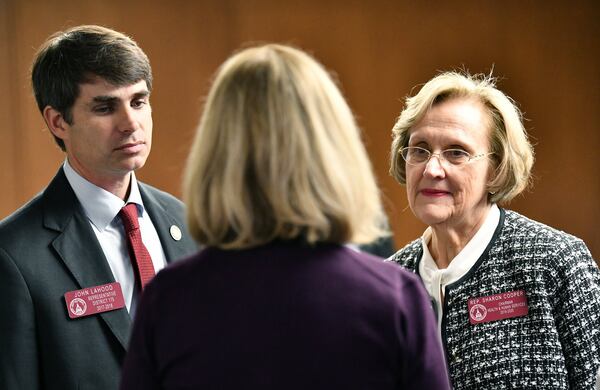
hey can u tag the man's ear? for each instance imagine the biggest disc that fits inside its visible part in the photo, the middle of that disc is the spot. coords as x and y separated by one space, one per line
56 122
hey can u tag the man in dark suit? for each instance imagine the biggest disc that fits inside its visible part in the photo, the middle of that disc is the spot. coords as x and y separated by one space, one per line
69 277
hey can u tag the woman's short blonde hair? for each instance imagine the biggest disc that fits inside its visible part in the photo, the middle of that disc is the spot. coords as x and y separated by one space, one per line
278 155
513 154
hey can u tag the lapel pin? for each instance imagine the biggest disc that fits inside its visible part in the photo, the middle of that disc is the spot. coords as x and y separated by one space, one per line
175 232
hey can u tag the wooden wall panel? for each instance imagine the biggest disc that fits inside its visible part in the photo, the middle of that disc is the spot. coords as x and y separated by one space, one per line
8 192
547 55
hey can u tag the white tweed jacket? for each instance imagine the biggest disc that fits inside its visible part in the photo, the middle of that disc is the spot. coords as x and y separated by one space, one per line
557 344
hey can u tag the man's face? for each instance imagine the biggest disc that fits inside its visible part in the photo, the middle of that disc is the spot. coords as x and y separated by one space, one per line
111 131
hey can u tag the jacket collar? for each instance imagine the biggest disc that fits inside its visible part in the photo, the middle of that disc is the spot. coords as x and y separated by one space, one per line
165 223
77 247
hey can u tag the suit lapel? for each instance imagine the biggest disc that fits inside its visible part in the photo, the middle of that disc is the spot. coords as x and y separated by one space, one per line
163 220
79 249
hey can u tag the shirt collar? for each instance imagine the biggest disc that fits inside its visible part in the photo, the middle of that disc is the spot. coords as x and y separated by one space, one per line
467 257
101 206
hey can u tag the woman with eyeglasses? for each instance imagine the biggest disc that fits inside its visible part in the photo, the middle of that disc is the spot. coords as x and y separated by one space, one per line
518 302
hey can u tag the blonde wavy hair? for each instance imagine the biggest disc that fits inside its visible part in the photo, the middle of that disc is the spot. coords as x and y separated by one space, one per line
278 155
513 154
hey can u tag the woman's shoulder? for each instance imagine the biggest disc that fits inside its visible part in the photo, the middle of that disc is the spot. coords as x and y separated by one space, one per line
409 256
522 228
388 278
545 247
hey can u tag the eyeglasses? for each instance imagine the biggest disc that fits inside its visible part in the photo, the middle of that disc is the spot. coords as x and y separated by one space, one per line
415 155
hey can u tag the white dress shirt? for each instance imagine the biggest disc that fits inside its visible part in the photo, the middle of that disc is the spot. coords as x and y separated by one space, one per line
436 279
102 208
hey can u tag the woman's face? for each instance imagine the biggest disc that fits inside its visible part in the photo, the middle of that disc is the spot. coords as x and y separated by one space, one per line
441 194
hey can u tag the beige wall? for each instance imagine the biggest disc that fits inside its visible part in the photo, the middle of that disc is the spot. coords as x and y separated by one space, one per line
546 52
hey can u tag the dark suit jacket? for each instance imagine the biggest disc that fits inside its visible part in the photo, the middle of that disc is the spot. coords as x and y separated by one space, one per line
48 248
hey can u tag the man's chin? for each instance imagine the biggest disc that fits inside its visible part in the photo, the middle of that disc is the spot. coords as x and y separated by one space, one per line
133 164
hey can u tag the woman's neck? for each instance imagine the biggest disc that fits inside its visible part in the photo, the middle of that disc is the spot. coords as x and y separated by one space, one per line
447 241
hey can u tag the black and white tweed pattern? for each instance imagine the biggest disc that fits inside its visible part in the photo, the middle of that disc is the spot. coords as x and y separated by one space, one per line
557 345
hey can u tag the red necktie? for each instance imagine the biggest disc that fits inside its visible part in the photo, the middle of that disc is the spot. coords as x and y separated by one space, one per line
140 258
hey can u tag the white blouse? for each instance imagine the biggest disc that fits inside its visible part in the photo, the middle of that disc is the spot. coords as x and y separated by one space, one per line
436 279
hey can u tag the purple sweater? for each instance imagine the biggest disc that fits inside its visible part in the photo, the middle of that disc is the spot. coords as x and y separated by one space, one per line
284 316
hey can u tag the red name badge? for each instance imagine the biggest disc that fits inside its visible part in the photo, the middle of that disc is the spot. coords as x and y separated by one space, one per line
94 300
498 307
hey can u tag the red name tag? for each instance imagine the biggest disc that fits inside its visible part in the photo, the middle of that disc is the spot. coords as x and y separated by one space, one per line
94 300
498 307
